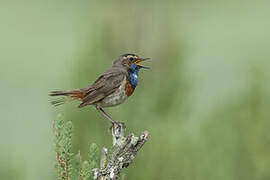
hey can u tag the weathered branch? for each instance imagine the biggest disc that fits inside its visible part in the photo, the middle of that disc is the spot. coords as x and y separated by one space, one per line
123 152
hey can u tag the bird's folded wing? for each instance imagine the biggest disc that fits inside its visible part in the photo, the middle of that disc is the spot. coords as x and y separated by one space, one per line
106 84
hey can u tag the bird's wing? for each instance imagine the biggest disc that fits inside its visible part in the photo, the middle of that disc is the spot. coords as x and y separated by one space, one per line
106 84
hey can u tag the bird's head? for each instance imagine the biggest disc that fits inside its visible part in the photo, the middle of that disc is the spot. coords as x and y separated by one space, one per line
130 62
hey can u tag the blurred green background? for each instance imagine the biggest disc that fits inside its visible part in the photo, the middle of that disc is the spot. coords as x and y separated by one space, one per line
205 101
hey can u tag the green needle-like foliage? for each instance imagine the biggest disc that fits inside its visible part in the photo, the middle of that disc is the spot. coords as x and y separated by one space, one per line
70 166
63 135
76 166
93 156
86 171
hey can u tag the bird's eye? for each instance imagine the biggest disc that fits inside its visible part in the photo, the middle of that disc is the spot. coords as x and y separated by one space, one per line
131 58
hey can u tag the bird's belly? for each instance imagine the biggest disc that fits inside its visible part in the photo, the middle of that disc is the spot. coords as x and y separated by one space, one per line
116 98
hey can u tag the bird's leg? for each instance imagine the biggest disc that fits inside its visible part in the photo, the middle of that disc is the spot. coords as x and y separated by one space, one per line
101 111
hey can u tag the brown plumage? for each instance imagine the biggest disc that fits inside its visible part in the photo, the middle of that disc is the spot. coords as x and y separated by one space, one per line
110 89
105 85
129 89
77 94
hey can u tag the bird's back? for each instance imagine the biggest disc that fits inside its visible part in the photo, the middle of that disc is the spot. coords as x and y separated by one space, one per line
107 84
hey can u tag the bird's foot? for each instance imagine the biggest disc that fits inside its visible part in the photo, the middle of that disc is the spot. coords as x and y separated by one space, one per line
117 127
118 130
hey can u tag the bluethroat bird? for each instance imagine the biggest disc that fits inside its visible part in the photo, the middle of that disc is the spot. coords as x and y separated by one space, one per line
111 88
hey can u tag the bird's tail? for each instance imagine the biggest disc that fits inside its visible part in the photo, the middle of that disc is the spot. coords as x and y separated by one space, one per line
68 95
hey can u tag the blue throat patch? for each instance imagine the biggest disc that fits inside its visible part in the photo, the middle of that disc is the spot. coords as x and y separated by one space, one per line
133 75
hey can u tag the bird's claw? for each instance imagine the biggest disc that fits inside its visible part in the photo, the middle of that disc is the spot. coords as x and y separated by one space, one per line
115 125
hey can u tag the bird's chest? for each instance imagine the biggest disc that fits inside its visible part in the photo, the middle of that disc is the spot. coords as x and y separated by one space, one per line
117 97
125 90
127 87
131 83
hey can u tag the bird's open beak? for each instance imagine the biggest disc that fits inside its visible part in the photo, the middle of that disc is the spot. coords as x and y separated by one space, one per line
140 60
